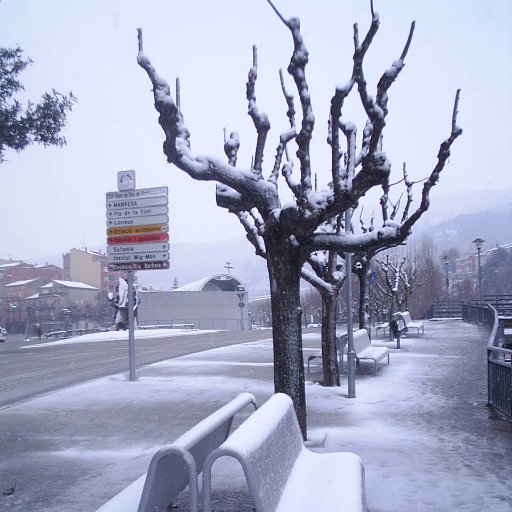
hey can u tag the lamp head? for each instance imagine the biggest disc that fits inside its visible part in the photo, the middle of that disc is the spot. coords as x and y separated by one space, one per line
478 243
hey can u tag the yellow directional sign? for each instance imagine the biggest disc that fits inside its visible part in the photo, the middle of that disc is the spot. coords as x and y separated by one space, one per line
137 230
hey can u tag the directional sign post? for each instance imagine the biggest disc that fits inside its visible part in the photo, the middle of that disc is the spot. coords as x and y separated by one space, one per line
137 237
138 229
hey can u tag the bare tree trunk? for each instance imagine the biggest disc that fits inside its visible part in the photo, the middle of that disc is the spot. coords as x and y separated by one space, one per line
287 326
364 300
330 366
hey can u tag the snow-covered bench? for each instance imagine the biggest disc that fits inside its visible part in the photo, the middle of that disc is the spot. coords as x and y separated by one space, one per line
282 474
382 327
366 351
179 464
409 324
341 342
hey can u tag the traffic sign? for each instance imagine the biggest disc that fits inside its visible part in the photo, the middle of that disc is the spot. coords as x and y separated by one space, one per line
130 248
137 212
138 221
137 230
138 193
114 204
144 265
137 239
137 227
138 256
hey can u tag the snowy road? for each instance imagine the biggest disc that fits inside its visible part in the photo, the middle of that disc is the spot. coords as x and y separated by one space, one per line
29 369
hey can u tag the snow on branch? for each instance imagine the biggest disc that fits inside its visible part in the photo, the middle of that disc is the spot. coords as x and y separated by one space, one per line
286 137
178 150
442 158
297 69
231 147
260 119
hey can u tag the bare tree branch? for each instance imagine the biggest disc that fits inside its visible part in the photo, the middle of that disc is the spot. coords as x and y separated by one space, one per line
260 120
231 147
442 158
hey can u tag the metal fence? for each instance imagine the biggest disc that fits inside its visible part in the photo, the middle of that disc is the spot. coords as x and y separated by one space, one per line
444 309
499 359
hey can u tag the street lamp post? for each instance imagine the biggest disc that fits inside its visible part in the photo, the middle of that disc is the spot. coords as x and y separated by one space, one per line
351 353
447 280
478 244
240 292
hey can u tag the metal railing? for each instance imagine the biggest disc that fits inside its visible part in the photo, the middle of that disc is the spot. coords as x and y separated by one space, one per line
444 309
499 359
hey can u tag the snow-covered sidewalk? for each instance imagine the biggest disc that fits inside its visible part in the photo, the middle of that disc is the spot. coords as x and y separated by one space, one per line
421 426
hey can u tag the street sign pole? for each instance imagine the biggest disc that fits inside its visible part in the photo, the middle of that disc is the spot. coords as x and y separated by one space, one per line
137 237
131 328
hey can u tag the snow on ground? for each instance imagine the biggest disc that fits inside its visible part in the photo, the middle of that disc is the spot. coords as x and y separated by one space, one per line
420 426
120 335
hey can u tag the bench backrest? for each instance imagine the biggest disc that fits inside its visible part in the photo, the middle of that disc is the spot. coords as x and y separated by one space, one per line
361 340
175 466
267 445
406 317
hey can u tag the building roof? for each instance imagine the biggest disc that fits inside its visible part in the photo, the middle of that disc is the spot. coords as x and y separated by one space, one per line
21 283
10 265
69 284
215 283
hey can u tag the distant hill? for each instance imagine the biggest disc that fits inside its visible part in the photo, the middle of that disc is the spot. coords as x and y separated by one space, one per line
453 221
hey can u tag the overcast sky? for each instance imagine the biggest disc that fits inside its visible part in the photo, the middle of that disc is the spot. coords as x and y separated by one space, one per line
54 199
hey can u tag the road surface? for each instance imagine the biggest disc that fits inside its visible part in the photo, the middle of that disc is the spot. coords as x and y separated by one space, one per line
27 370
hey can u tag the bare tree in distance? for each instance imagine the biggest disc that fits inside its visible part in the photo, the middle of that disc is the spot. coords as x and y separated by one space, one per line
410 281
285 234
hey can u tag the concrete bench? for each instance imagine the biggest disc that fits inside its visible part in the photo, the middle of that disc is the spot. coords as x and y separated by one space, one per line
381 327
409 324
365 351
341 342
282 474
179 464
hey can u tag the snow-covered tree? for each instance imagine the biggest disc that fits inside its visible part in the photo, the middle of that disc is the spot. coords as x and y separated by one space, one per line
286 233
36 123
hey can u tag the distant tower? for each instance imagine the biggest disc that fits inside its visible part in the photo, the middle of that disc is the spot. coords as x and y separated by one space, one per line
175 284
228 266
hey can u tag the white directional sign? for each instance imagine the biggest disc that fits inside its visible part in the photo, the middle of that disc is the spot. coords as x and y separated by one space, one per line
137 257
115 204
137 221
137 212
138 193
130 248
137 229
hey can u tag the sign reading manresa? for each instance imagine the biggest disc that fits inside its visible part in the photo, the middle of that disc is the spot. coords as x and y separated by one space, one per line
138 229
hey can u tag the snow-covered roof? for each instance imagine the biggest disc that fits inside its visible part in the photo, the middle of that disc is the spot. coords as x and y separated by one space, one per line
69 284
21 283
215 283
10 265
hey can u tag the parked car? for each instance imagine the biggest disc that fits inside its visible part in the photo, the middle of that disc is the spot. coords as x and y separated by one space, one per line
3 333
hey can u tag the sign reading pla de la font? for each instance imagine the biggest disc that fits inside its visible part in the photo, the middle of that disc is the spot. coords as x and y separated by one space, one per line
137 226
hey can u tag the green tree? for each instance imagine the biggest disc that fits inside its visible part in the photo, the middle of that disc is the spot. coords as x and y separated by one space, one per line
20 125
